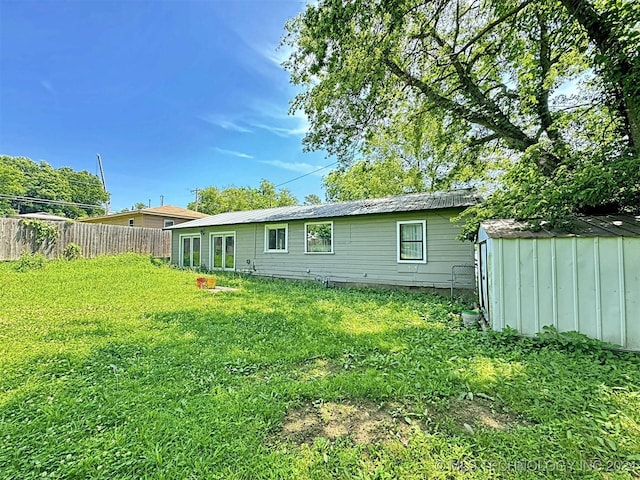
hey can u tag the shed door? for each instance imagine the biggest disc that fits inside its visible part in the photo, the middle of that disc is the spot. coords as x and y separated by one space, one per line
483 286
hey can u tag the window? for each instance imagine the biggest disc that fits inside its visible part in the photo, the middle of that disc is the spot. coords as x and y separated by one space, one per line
275 238
412 242
190 251
168 223
222 250
131 222
318 237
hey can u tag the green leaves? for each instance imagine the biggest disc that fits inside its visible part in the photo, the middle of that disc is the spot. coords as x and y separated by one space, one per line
213 200
142 375
22 176
505 95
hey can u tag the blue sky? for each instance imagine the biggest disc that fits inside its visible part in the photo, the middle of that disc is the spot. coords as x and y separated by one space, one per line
174 95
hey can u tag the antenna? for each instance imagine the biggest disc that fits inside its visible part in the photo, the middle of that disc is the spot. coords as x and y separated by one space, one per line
104 184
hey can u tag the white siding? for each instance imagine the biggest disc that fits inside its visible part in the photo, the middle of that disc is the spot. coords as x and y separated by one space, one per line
589 285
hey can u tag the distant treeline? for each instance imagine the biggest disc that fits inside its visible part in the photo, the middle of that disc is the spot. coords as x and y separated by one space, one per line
27 187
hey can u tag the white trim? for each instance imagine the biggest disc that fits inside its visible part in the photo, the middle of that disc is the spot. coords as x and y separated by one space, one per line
276 226
424 240
330 222
169 225
211 253
181 249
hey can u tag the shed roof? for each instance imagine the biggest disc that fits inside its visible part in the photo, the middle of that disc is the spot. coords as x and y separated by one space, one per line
586 226
399 203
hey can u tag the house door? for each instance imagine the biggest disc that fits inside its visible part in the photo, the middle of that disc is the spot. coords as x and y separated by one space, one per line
190 251
223 251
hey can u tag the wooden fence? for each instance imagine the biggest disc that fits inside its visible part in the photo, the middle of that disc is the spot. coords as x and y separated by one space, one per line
94 239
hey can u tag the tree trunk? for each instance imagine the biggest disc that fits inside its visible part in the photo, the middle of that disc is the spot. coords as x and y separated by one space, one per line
619 68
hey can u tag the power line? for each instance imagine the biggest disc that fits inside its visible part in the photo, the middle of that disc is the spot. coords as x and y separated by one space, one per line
306 174
46 201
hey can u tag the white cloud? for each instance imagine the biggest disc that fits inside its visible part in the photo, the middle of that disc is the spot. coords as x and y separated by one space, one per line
275 54
298 167
282 131
233 153
279 122
226 123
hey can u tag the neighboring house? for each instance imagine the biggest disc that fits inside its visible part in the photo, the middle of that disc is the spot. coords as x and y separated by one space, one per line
155 217
586 279
42 216
404 240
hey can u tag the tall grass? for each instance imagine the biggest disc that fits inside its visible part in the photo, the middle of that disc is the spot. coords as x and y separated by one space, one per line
120 368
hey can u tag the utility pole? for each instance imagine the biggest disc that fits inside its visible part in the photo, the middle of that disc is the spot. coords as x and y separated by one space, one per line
197 198
162 200
104 184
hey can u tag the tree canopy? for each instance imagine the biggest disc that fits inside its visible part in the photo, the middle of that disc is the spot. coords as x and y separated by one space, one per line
63 191
541 96
213 200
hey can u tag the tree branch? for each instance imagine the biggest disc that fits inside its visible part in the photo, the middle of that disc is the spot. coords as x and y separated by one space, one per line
491 25
512 135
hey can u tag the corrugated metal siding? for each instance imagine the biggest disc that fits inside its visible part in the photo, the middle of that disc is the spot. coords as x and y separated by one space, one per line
589 285
365 251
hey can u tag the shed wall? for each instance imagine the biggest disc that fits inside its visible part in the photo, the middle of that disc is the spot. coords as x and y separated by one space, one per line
589 285
365 251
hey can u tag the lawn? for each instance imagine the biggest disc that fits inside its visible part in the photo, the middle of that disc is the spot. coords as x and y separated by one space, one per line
120 368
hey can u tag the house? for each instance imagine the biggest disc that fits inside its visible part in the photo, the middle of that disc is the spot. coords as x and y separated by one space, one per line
586 279
406 240
155 217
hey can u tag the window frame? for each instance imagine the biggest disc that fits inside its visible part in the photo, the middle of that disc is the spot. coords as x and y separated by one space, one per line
399 224
166 224
181 238
131 222
306 225
276 226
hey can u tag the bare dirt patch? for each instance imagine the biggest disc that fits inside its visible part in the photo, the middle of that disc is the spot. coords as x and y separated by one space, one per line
368 423
363 423
481 413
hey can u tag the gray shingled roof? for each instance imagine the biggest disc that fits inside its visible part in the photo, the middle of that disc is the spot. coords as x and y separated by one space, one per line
400 203
587 226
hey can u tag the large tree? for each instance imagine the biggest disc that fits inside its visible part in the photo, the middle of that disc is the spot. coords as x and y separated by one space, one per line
495 75
61 191
213 200
370 179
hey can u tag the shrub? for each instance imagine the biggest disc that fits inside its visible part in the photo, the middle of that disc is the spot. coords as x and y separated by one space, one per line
72 251
43 231
30 261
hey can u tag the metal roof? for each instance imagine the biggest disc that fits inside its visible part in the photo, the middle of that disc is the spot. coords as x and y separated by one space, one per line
587 226
43 216
400 203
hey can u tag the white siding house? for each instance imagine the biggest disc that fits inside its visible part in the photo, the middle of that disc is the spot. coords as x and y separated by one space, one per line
406 240
585 280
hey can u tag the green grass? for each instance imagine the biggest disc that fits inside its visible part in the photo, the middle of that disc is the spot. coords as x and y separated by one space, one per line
119 368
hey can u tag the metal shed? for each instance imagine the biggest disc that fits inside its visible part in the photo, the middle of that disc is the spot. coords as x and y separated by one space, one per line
586 279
